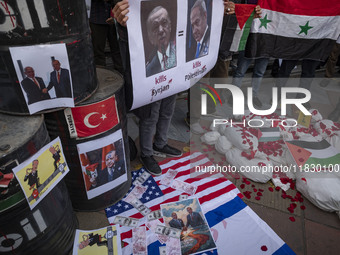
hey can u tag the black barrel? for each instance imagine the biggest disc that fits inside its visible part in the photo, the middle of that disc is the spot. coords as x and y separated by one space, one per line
25 23
110 83
49 228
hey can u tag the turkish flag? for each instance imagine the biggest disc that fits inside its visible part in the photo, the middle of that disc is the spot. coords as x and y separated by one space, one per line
93 119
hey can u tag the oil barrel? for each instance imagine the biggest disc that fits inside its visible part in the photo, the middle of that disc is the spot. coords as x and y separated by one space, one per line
36 22
48 228
110 86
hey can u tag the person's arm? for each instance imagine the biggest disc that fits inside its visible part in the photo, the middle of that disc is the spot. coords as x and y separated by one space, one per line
258 12
119 12
50 85
229 7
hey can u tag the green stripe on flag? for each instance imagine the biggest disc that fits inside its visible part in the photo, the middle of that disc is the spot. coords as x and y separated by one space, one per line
245 34
324 162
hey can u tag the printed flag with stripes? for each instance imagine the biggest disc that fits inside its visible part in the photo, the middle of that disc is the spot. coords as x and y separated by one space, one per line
295 29
231 221
319 155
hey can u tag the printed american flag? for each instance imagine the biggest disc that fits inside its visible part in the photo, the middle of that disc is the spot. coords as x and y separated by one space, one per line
208 188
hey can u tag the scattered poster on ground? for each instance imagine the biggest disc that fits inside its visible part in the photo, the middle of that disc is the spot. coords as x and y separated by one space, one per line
99 241
44 76
103 163
39 174
187 215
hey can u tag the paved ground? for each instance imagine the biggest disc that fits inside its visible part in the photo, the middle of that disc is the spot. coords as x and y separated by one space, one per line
314 232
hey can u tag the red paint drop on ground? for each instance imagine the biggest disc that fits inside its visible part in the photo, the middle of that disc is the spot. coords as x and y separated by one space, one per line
264 248
292 219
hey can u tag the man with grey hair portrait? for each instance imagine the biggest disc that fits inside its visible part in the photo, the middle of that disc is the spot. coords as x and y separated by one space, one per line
200 31
158 26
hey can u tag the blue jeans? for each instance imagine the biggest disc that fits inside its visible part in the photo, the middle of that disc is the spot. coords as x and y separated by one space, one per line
242 67
157 124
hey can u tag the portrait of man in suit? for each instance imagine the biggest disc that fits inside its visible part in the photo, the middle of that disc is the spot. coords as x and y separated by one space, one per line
60 80
175 222
199 38
34 86
159 27
114 169
194 219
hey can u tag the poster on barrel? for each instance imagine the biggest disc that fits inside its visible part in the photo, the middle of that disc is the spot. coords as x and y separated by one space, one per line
103 163
172 45
39 174
44 76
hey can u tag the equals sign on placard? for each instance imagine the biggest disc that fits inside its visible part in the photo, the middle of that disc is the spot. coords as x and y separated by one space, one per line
180 33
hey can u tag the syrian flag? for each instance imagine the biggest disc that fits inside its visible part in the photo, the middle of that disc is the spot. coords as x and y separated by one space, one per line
92 119
314 155
295 29
228 217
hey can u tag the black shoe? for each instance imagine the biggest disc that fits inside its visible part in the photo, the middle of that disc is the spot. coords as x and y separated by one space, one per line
257 101
151 165
168 150
187 121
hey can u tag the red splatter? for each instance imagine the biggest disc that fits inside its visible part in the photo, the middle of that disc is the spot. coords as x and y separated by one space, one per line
303 207
247 194
292 219
257 198
259 194
60 12
242 186
11 16
277 188
264 248
270 189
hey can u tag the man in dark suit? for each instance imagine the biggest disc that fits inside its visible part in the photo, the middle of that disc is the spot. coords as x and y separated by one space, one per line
60 80
200 31
194 219
114 169
32 177
158 26
175 222
34 87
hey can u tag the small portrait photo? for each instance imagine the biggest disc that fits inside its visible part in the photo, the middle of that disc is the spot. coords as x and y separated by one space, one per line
39 174
198 29
103 164
187 215
159 24
44 75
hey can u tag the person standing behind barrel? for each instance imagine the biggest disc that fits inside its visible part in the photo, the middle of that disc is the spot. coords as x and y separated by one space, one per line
34 86
60 80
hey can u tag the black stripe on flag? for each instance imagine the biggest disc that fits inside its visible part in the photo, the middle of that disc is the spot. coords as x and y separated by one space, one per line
311 145
268 45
